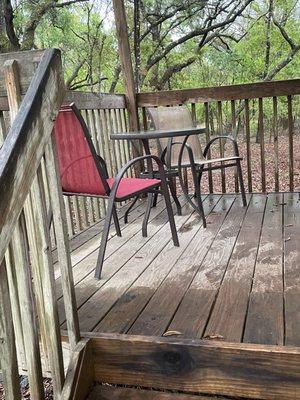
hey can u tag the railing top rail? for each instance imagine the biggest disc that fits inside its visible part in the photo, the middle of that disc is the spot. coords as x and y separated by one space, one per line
23 148
220 93
94 101
85 101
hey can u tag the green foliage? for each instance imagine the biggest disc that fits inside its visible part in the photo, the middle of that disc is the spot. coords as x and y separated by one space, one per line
85 33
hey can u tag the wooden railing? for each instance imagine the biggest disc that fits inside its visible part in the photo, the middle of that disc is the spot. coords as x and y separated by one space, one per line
31 195
262 116
104 114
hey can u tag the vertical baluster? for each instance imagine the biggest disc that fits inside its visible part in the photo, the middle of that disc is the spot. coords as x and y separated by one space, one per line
124 129
145 121
116 143
95 205
100 140
275 135
21 264
207 130
37 280
222 144
234 134
8 354
122 142
70 219
15 301
248 145
87 200
194 116
111 144
76 208
63 248
46 275
106 152
2 128
262 143
291 142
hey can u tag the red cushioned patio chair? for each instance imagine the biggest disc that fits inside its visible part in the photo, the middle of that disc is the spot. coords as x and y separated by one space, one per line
83 172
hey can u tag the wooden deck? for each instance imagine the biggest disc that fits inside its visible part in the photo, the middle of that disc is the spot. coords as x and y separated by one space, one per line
238 280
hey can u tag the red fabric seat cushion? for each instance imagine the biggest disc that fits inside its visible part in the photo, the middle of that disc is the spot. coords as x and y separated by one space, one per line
129 186
78 170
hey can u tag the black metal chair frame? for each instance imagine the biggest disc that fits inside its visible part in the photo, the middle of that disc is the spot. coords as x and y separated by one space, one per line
198 169
111 212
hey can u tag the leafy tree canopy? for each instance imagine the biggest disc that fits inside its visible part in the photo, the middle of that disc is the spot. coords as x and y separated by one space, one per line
174 44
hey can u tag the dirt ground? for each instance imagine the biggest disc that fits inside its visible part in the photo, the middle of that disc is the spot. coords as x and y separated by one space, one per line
283 167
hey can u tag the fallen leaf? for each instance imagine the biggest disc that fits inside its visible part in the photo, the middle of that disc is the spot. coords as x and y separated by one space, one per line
214 337
185 227
172 333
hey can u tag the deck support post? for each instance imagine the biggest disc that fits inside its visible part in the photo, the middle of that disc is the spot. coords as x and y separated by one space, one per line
126 62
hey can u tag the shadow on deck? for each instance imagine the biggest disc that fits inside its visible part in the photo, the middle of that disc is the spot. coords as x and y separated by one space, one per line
237 280
235 284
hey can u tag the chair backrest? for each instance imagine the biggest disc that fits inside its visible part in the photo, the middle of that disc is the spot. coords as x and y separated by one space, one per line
174 118
82 171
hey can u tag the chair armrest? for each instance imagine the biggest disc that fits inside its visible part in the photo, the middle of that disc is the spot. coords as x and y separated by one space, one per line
130 163
184 145
230 138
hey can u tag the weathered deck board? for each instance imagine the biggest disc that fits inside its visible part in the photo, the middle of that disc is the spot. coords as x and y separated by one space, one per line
197 302
265 313
291 234
237 280
228 315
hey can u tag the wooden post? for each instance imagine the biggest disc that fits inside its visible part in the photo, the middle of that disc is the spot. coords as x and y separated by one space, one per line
126 62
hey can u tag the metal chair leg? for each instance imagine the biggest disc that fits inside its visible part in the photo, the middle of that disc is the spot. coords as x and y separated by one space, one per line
165 190
155 197
147 214
116 221
104 238
199 176
197 181
175 198
129 209
241 180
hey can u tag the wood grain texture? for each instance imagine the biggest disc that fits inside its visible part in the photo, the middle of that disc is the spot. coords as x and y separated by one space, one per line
229 312
106 392
220 93
30 132
28 62
251 371
194 310
63 248
132 302
126 62
8 354
160 310
265 314
95 101
291 234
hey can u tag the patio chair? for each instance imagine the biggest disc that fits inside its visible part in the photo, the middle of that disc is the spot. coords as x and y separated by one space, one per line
83 172
169 151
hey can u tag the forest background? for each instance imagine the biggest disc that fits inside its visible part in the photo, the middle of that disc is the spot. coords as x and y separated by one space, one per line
174 44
